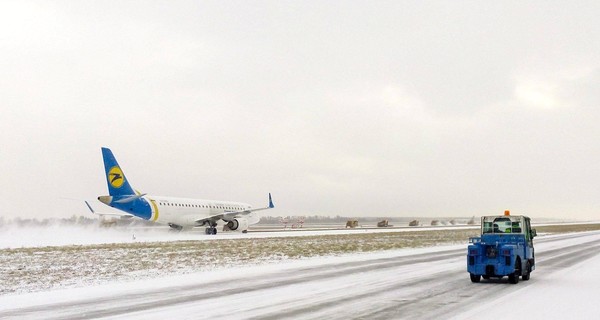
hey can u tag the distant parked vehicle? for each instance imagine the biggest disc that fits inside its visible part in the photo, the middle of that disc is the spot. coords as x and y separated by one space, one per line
383 224
352 224
414 223
472 221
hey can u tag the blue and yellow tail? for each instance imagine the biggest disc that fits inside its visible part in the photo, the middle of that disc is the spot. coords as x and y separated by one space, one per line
115 178
122 195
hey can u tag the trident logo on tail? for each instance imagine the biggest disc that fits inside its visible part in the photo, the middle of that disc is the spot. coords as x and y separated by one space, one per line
115 177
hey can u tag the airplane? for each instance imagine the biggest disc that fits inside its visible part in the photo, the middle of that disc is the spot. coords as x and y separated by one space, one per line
177 213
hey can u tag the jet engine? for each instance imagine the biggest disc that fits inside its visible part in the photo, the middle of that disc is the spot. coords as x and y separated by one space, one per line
238 224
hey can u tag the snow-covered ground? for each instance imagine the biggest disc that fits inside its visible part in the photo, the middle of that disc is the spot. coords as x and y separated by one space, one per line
60 235
570 293
39 268
57 235
425 283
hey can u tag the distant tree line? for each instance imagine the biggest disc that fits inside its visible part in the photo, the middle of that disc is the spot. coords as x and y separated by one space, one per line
35 222
72 221
313 219
85 220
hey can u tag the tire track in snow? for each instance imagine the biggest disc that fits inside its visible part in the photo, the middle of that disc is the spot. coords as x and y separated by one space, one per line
156 298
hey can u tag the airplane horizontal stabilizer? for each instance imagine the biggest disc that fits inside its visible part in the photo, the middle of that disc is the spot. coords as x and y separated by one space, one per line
88 205
130 198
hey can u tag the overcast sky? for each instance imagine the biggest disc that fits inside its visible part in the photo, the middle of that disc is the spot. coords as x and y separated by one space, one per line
354 108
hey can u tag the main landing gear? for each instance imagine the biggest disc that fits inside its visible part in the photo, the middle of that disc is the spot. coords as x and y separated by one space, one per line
212 229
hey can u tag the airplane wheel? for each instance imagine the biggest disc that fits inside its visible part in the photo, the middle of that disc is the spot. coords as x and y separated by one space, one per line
214 231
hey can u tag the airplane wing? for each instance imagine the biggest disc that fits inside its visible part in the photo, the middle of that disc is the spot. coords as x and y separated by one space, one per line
231 215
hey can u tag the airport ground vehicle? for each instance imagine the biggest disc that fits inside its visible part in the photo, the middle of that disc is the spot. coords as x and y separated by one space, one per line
505 248
383 224
351 223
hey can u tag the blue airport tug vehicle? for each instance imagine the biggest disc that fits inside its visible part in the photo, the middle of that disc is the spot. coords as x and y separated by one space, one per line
505 248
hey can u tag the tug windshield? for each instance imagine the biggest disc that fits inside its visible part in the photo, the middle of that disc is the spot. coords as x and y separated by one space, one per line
502 224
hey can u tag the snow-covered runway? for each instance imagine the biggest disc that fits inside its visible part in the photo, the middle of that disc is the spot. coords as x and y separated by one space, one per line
428 283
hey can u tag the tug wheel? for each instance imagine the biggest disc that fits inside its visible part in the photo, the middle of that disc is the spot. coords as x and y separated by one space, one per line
514 277
527 273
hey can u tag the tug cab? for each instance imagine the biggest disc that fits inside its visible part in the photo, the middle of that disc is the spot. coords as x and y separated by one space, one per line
505 248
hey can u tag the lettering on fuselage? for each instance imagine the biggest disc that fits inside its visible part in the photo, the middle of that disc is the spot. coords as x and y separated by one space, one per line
115 177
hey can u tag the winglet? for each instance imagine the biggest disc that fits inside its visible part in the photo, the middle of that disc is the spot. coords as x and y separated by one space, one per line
88 205
271 201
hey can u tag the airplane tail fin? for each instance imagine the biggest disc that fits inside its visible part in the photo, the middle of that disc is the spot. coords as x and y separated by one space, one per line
118 185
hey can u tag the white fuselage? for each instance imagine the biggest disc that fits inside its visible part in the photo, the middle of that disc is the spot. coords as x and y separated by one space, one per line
185 212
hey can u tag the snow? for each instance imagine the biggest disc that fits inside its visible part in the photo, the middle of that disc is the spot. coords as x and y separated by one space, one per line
339 287
59 235
568 294
224 275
